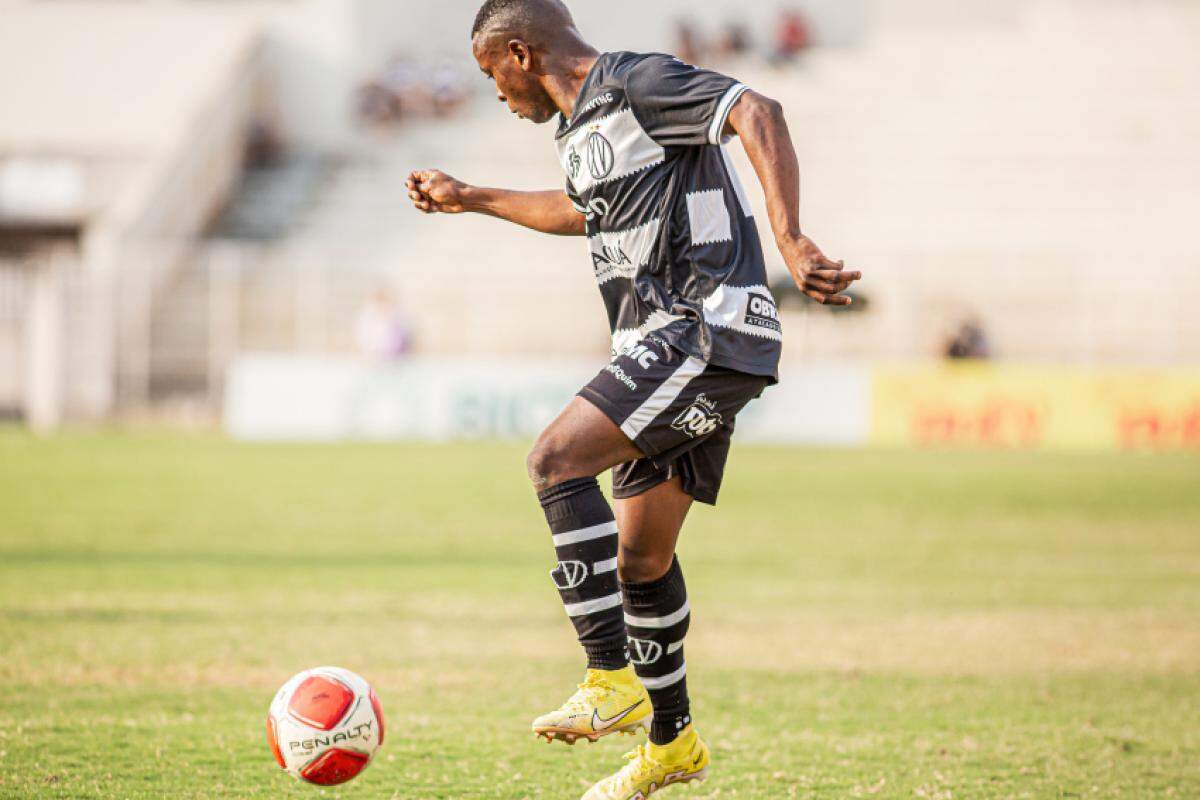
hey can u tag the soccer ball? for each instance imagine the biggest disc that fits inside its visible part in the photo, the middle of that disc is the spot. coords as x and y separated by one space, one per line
325 725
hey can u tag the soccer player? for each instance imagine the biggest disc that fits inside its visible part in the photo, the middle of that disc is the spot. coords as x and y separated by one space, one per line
695 334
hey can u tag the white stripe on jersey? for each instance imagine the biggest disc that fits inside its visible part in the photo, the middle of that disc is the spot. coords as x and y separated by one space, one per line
662 398
709 217
717 128
736 180
608 149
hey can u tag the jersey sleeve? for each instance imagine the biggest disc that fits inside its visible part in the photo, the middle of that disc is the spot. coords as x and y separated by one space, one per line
574 197
678 104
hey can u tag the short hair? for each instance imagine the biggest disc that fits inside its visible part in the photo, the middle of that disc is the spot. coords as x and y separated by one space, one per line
521 16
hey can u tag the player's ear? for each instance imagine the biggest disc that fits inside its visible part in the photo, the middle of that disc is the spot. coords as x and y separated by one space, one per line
521 55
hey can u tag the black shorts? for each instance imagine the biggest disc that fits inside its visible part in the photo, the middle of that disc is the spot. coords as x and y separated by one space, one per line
678 410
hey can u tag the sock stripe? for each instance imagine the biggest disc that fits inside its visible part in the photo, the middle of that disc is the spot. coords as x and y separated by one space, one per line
586 534
592 606
666 680
658 622
601 567
674 647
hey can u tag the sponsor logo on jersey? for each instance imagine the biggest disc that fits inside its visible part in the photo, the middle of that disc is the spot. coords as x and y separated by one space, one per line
601 158
643 652
643 355
596 102
569 574
762 313
608 260
622 376
698 419
574 162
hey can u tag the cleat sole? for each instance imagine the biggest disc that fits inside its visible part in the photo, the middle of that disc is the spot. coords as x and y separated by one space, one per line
570 737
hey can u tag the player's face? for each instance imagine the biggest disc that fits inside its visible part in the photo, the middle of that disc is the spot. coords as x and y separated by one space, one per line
510 66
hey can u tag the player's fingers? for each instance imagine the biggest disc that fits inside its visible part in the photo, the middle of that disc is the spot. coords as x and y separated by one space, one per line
839 300
821 286
815 295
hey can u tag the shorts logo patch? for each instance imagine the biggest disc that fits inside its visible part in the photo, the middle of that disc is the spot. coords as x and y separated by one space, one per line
643 652
569 574
762 313
698 419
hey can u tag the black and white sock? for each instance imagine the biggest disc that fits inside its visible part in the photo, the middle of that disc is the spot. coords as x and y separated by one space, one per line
657 618
585 539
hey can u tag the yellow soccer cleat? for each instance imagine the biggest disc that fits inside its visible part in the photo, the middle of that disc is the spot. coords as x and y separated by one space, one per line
606 702
652 767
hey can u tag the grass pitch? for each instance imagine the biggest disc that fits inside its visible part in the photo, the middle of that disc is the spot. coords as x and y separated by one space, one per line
866 624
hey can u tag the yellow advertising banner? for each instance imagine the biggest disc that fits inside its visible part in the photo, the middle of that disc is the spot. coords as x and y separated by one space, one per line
983 405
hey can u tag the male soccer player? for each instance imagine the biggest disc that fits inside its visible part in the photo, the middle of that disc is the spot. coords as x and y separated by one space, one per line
696 337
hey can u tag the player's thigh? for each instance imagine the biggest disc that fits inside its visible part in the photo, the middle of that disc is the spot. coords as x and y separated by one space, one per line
581 442
649 526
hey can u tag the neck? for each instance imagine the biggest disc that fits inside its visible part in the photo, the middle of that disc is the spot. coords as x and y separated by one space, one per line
570 68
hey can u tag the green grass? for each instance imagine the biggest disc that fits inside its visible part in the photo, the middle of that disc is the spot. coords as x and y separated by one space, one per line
866 624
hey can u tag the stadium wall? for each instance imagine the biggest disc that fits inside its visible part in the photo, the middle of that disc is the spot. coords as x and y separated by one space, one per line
953 405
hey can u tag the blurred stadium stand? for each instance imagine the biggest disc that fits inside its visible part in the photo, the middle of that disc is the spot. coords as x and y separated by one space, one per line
1030 164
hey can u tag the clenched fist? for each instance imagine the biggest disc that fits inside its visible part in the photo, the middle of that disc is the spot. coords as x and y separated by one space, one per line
434 192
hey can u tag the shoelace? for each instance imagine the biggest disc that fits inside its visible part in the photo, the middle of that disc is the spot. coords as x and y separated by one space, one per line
640 758
583 698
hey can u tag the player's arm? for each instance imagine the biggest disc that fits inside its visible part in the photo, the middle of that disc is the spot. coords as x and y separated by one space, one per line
434 192
760 123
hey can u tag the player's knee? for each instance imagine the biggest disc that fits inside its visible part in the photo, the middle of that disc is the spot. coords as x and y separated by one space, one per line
640 566
548 463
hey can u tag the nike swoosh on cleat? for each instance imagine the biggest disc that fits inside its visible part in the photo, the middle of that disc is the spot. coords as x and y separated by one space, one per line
601 724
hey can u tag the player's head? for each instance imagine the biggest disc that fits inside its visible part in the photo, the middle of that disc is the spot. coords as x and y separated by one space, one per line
513 41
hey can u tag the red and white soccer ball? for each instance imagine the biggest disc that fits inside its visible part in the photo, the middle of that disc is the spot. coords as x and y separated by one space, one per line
325 725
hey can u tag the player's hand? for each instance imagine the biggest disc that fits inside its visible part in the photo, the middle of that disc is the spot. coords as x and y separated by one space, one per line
818 277
434 192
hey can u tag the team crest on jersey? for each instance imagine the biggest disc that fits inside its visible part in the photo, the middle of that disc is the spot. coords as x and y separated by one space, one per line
698 419
601 158
569 574
762 313
643 652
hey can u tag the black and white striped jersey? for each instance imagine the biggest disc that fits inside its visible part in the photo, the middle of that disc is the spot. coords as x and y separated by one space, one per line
672 236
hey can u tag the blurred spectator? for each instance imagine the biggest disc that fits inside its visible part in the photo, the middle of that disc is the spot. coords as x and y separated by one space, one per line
382 331
264 145
688 45
792 37
734 41
969 343
407 89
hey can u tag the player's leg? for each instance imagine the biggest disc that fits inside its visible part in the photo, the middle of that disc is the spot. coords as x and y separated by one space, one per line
575 448
657 616
657 613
